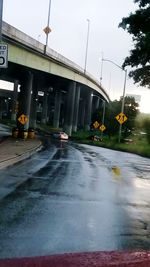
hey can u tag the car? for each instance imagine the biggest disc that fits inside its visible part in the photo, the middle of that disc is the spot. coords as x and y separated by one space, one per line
61 135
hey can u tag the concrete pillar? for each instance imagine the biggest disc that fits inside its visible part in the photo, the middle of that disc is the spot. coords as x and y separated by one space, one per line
34 102
95 103
1 108
44 109
14 101
57 109
81 113
88 109
25 98
76 109
70 108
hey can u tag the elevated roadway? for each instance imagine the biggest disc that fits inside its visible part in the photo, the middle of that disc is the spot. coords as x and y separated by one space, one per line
38 68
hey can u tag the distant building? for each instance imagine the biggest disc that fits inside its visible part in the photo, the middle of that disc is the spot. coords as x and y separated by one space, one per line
136 97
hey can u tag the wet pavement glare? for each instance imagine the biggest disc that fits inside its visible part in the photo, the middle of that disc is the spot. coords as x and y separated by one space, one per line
71 198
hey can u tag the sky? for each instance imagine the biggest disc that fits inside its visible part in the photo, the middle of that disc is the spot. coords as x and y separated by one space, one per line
69 25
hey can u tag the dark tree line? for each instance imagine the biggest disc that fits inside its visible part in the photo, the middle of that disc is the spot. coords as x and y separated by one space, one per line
138 25
113 108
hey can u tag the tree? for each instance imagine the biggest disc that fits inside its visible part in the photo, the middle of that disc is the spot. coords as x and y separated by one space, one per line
113 108
131 110
138 25
143 124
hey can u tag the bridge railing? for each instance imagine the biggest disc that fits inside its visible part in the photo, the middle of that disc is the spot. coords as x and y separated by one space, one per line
12 33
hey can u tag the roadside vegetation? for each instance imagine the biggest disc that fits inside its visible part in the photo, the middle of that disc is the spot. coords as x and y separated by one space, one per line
135 136
136 143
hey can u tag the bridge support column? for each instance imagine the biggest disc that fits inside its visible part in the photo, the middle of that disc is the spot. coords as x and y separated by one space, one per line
81 113
44 109
57 109
33 109
70 108
1 108
95 104
25 97
76 109
14 101
88 110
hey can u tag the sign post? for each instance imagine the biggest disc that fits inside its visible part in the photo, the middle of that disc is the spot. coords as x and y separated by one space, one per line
121 118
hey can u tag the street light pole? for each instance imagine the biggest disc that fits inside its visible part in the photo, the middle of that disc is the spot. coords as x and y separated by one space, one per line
101 70
123 96
122 106
87 43
47 30
103 116
48 20
1 18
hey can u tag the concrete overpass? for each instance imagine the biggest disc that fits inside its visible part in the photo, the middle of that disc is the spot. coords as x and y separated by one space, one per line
68 91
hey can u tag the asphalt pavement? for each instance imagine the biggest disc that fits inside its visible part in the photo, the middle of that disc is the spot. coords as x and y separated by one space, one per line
14 150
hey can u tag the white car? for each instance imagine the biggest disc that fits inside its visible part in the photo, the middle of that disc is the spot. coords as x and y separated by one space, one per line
61 136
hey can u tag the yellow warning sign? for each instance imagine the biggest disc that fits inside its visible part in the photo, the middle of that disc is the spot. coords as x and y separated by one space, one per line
96 124
23 119
102 128
121 118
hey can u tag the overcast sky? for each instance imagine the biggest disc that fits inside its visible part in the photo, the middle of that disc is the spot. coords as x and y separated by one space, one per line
68 21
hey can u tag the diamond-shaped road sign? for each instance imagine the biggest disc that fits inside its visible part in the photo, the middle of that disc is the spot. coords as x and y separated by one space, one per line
47 30
121 118
96 124
23 119
102 128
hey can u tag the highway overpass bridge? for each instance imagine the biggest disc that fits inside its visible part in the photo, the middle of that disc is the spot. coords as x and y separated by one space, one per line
49 84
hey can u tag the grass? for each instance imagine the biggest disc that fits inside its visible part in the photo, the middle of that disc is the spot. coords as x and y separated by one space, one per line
137 143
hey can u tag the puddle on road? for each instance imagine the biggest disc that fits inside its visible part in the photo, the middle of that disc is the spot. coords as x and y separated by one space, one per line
116 171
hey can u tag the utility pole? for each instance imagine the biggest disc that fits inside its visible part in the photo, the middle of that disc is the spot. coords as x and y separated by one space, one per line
47 29
87 44
123 96
1 16
122 106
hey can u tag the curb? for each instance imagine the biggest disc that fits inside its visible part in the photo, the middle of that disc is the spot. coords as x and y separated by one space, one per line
15 159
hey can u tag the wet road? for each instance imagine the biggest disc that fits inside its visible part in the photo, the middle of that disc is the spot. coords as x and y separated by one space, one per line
72 198
4 131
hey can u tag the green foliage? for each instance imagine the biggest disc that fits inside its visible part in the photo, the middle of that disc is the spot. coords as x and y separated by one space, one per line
137 24
131 111
146 124
142 3
113 108
143 123
112 125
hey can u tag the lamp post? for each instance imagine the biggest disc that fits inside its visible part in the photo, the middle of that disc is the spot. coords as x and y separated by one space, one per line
87 44
101 70
124 89
1 15
47 30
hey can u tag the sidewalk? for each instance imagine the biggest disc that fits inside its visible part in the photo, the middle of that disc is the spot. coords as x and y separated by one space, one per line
14 150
